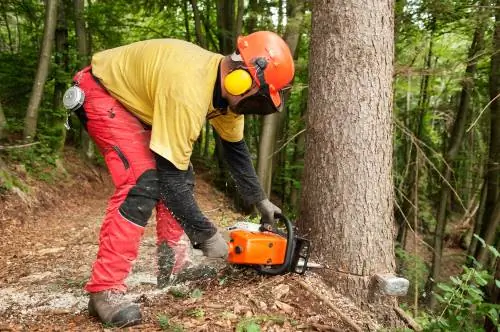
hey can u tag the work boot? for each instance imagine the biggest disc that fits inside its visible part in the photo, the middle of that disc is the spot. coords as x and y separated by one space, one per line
111 308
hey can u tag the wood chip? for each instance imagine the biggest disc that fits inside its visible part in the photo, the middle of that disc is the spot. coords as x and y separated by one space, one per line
284 307
281 290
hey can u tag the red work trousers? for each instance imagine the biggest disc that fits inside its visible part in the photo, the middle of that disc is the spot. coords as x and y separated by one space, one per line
124 142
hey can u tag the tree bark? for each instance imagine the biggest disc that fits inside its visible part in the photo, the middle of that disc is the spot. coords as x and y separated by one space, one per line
492 181
347 199
30 122
3 122
200 38
62 63
454 143
186 20
272 122
423 105
225 24
83 49
239 19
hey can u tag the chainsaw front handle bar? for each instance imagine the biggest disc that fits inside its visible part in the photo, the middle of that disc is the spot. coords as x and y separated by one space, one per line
286 266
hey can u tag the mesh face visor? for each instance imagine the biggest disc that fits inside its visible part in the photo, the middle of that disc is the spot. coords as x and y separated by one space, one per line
256 104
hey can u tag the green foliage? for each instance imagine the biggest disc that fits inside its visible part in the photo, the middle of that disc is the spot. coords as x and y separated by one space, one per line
166 325
9 181
178 292
463 300
252 324
413 268
196 313
39 160
196 293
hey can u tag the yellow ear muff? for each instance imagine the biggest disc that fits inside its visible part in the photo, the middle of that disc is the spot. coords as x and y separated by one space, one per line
238 82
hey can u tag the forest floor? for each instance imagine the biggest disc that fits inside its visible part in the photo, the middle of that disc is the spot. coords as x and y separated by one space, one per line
48 241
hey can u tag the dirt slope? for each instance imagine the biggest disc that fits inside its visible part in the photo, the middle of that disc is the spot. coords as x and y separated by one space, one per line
48 240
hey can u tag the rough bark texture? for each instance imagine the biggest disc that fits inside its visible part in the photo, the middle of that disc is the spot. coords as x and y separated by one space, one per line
451 152
491 214
347 199
31 118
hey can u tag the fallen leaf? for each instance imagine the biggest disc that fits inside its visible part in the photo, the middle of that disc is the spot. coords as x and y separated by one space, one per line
283 306
281 290
263 305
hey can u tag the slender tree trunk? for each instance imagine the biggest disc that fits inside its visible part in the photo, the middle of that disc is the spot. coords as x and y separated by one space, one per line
423 105
450 154
200 38
30 122
186 20
272 122
3 122
253 14
206 141
239 19
62 62
81 33
492 182
83 49
225 24
347 196
7 26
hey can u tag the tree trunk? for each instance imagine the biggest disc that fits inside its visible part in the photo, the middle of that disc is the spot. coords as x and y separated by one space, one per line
186 20
62 63
200 38
83 49
423 105
239 19
3 122
347 196
272 122
7 26
225 24
492 182
454 143
30 122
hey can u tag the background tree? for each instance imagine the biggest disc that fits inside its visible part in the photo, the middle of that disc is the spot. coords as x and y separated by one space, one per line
43 70
347 194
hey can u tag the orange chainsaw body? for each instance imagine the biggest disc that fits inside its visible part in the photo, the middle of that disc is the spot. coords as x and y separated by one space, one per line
259 248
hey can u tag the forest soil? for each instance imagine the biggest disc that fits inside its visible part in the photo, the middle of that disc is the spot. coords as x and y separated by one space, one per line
49 239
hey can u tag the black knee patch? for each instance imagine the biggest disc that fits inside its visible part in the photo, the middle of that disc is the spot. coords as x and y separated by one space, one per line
141 199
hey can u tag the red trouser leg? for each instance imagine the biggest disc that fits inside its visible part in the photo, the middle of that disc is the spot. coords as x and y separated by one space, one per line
169 231
124 144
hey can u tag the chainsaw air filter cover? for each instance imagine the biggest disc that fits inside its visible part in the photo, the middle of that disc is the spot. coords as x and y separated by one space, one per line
256 248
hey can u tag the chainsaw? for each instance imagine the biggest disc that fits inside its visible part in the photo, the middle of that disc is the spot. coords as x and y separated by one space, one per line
269 251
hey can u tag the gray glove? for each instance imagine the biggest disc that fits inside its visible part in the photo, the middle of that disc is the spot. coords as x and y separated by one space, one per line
268 213
215 247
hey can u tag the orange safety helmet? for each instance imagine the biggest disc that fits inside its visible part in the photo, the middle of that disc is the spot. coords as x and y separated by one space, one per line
269 61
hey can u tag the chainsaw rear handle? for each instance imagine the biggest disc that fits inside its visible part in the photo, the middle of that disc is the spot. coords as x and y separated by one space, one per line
285 267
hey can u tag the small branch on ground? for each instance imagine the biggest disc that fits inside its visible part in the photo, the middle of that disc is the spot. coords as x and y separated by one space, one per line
321 327
7 147
408 320
330 304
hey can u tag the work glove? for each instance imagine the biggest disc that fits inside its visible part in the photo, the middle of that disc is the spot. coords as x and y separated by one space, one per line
268 213
215 247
